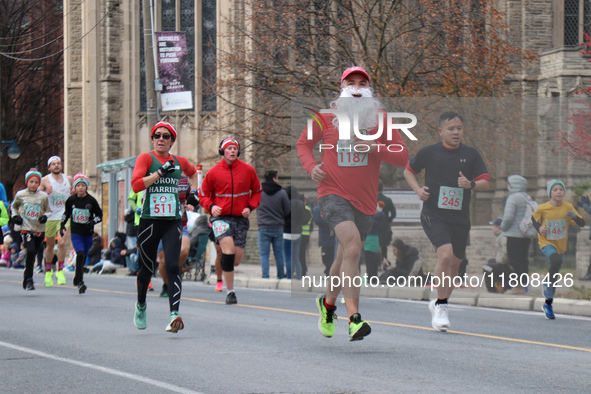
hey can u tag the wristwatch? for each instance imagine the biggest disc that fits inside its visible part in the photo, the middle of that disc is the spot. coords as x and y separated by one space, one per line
472 184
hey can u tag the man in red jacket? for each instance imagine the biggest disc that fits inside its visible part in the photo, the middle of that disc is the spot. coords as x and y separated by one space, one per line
230 191
348 178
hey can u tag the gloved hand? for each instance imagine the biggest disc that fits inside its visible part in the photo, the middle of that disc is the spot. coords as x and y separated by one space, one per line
42 219
192 199
166 168
571 215
62 228
138 211
17 220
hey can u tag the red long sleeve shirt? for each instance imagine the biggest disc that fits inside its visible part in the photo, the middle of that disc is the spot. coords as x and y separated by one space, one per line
359 185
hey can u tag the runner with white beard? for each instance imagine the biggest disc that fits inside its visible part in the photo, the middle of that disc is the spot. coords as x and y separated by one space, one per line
348 178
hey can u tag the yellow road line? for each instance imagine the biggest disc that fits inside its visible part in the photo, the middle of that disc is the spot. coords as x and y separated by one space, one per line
266 308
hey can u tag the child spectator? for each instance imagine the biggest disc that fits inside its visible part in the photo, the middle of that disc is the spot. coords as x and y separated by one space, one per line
552 220
407 262
84 212
17 256
5 255
29 210
113 257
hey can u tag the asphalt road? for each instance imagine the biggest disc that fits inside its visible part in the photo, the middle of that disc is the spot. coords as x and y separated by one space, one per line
53 340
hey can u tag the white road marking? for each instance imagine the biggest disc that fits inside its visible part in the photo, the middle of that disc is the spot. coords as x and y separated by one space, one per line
141 379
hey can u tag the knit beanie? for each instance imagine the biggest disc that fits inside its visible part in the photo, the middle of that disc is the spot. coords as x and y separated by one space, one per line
32 172
80 177
550 185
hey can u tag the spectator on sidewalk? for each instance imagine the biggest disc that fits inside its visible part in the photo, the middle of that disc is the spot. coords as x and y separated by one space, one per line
586 205
94 253
326 240
407 262
499 267
270 221
385 232
517 243
292 233
307 228
113 257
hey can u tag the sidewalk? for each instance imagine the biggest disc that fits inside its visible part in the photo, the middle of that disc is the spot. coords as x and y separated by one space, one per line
249 276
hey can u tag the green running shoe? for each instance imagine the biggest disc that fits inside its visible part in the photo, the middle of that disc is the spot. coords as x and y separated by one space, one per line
139 319
49 279
327 317
176 322
61 278
358 329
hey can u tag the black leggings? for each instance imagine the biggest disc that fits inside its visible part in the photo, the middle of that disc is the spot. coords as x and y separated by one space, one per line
150 232
32 245
517 251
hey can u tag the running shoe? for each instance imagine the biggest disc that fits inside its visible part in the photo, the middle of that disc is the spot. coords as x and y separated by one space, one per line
164 292
358 329
176 322
30 285
61 278
39 270
548 310
139 319
49 279
219 286
327 317
150 286
231 298
439 317
82 288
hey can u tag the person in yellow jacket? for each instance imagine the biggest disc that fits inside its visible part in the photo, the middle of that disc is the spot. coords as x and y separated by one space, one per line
552 220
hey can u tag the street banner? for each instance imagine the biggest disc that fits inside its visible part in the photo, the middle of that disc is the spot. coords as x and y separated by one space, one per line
173 67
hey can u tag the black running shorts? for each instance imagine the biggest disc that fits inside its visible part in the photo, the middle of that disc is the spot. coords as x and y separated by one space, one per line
441 233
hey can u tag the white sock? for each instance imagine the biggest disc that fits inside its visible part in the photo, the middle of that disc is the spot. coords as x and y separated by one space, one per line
230 291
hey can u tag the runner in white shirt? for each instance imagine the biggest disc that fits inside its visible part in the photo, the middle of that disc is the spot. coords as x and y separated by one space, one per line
58 187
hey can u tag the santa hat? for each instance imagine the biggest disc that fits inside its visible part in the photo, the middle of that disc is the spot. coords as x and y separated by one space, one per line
167 125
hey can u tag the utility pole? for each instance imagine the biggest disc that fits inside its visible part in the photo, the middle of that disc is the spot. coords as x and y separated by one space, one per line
152 83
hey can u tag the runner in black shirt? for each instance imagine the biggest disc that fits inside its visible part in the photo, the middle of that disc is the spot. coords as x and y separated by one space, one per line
84 212
452 171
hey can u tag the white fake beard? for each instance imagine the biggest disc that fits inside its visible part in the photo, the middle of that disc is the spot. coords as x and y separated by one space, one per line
365 106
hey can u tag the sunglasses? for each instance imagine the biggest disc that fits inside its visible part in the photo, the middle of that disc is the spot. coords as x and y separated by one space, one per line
157 136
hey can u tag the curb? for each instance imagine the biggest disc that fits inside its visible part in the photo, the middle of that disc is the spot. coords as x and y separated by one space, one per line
469 297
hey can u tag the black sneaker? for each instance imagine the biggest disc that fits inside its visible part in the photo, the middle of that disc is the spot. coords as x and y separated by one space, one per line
164 292
30 285
231 298
82 288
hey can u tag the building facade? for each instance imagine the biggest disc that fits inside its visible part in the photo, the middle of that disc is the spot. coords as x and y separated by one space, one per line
108 104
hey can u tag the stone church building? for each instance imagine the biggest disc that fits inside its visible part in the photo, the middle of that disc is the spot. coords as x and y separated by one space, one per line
108 110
